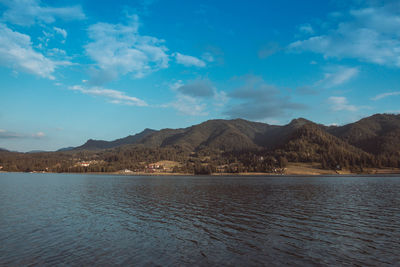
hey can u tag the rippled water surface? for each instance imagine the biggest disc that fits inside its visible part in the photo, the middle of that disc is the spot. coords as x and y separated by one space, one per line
59 219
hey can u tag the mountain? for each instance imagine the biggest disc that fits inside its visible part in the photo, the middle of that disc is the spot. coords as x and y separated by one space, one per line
36 151
311 143
66 149
377 134
100 144
232 146
277 136
213 134
223 135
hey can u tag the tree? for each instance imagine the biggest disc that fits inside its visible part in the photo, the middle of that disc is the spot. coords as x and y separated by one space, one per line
282 162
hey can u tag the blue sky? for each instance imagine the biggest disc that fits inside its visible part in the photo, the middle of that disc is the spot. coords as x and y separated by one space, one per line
74 70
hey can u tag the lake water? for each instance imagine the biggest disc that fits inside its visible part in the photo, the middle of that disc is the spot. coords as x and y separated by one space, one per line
84 220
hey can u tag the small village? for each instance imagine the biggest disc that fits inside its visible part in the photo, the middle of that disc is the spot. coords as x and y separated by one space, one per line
156 167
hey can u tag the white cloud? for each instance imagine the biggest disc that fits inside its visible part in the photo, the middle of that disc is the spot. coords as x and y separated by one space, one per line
306 29
60 31
39 135
337 75
16 51
220 98
175 85
370 35
207 56
384 95
340 103
56 52
115 97
29 12
119 49
189 61
333 76
188 105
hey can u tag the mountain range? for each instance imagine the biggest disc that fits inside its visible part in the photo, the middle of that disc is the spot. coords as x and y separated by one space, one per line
377 134
230 146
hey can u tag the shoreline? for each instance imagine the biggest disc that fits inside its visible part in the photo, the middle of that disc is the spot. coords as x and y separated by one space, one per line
378 174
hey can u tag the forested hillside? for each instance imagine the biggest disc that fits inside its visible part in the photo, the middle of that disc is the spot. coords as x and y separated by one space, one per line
229 146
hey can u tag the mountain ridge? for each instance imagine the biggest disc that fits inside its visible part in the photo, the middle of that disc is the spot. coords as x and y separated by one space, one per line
92 144
231 146
374 134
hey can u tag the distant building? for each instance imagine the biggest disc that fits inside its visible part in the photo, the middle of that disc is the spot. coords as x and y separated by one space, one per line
221 168
154 167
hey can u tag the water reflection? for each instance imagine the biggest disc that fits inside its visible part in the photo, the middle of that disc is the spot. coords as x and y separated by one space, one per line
104 220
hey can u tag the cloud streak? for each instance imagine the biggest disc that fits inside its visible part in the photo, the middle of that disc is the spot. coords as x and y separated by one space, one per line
29 12
4 134
384 95
338 75
115 97
9 135
189 61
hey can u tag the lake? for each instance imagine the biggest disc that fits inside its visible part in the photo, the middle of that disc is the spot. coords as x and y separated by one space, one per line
83 220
